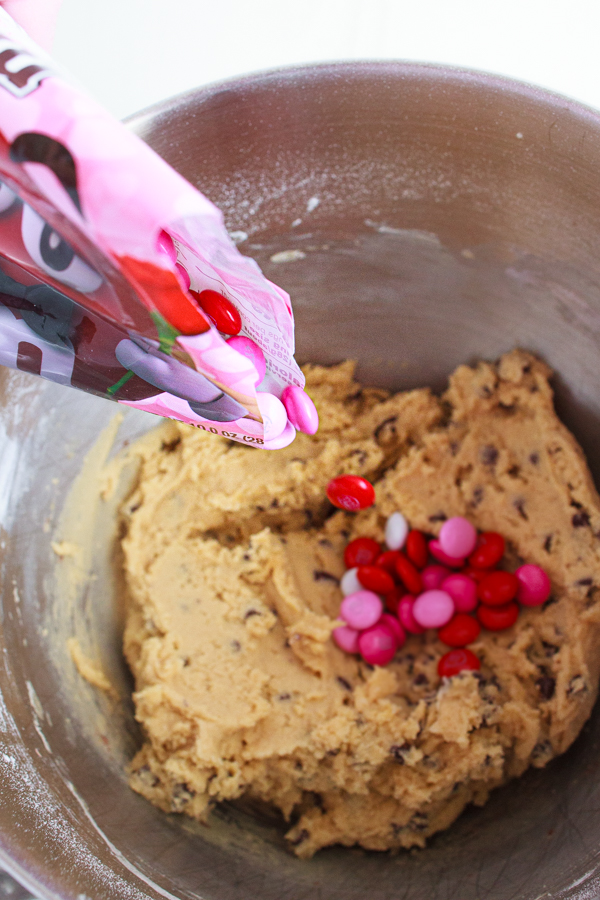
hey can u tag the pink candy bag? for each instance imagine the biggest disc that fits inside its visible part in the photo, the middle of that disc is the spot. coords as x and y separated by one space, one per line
104 254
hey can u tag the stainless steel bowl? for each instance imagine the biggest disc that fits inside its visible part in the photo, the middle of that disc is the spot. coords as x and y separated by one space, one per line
441 216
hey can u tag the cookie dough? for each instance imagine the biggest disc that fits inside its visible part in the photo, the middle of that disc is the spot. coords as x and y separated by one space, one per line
232 559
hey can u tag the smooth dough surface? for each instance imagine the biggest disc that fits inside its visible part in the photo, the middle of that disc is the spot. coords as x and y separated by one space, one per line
232 559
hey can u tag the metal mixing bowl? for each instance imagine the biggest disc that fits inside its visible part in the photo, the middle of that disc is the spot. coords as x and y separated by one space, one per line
441 216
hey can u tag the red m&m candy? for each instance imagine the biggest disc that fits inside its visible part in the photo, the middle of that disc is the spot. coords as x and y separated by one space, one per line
416 549
476 575
350 492
375 579
489 550
362 551
456 661
392 600
460 631
387 561
498 588
497 618
409 574
221 310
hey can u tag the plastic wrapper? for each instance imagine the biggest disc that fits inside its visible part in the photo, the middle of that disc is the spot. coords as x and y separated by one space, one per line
105 252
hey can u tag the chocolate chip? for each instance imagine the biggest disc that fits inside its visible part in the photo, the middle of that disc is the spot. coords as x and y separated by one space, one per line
419 822
585 582
182 795
386 431
252 612
186 662
300 838
321 575
546 686
477 496
170 446
399 751
274 503
438 517
542 750
580 519
519 505
550 649
284 696
514 471
508 408
235 646
421 679
362 456
345 684
534 459
548 543
489 455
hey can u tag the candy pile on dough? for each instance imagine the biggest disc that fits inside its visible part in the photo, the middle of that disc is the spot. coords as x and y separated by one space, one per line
232 560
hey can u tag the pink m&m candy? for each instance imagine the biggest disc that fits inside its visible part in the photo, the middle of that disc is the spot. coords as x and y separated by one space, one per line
463 591
301 411
436 550
392 622
405 614
165 245
251 351
457 537
432 576
346 638
432 609
361 610
185 278
377 645
534 585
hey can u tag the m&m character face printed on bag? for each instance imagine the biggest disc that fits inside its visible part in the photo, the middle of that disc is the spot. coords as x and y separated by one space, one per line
45 329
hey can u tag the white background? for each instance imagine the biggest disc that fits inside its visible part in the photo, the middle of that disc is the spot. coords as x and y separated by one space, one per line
132 53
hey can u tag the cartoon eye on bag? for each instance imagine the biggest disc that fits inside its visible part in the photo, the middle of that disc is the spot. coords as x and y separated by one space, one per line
8 198
54 255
